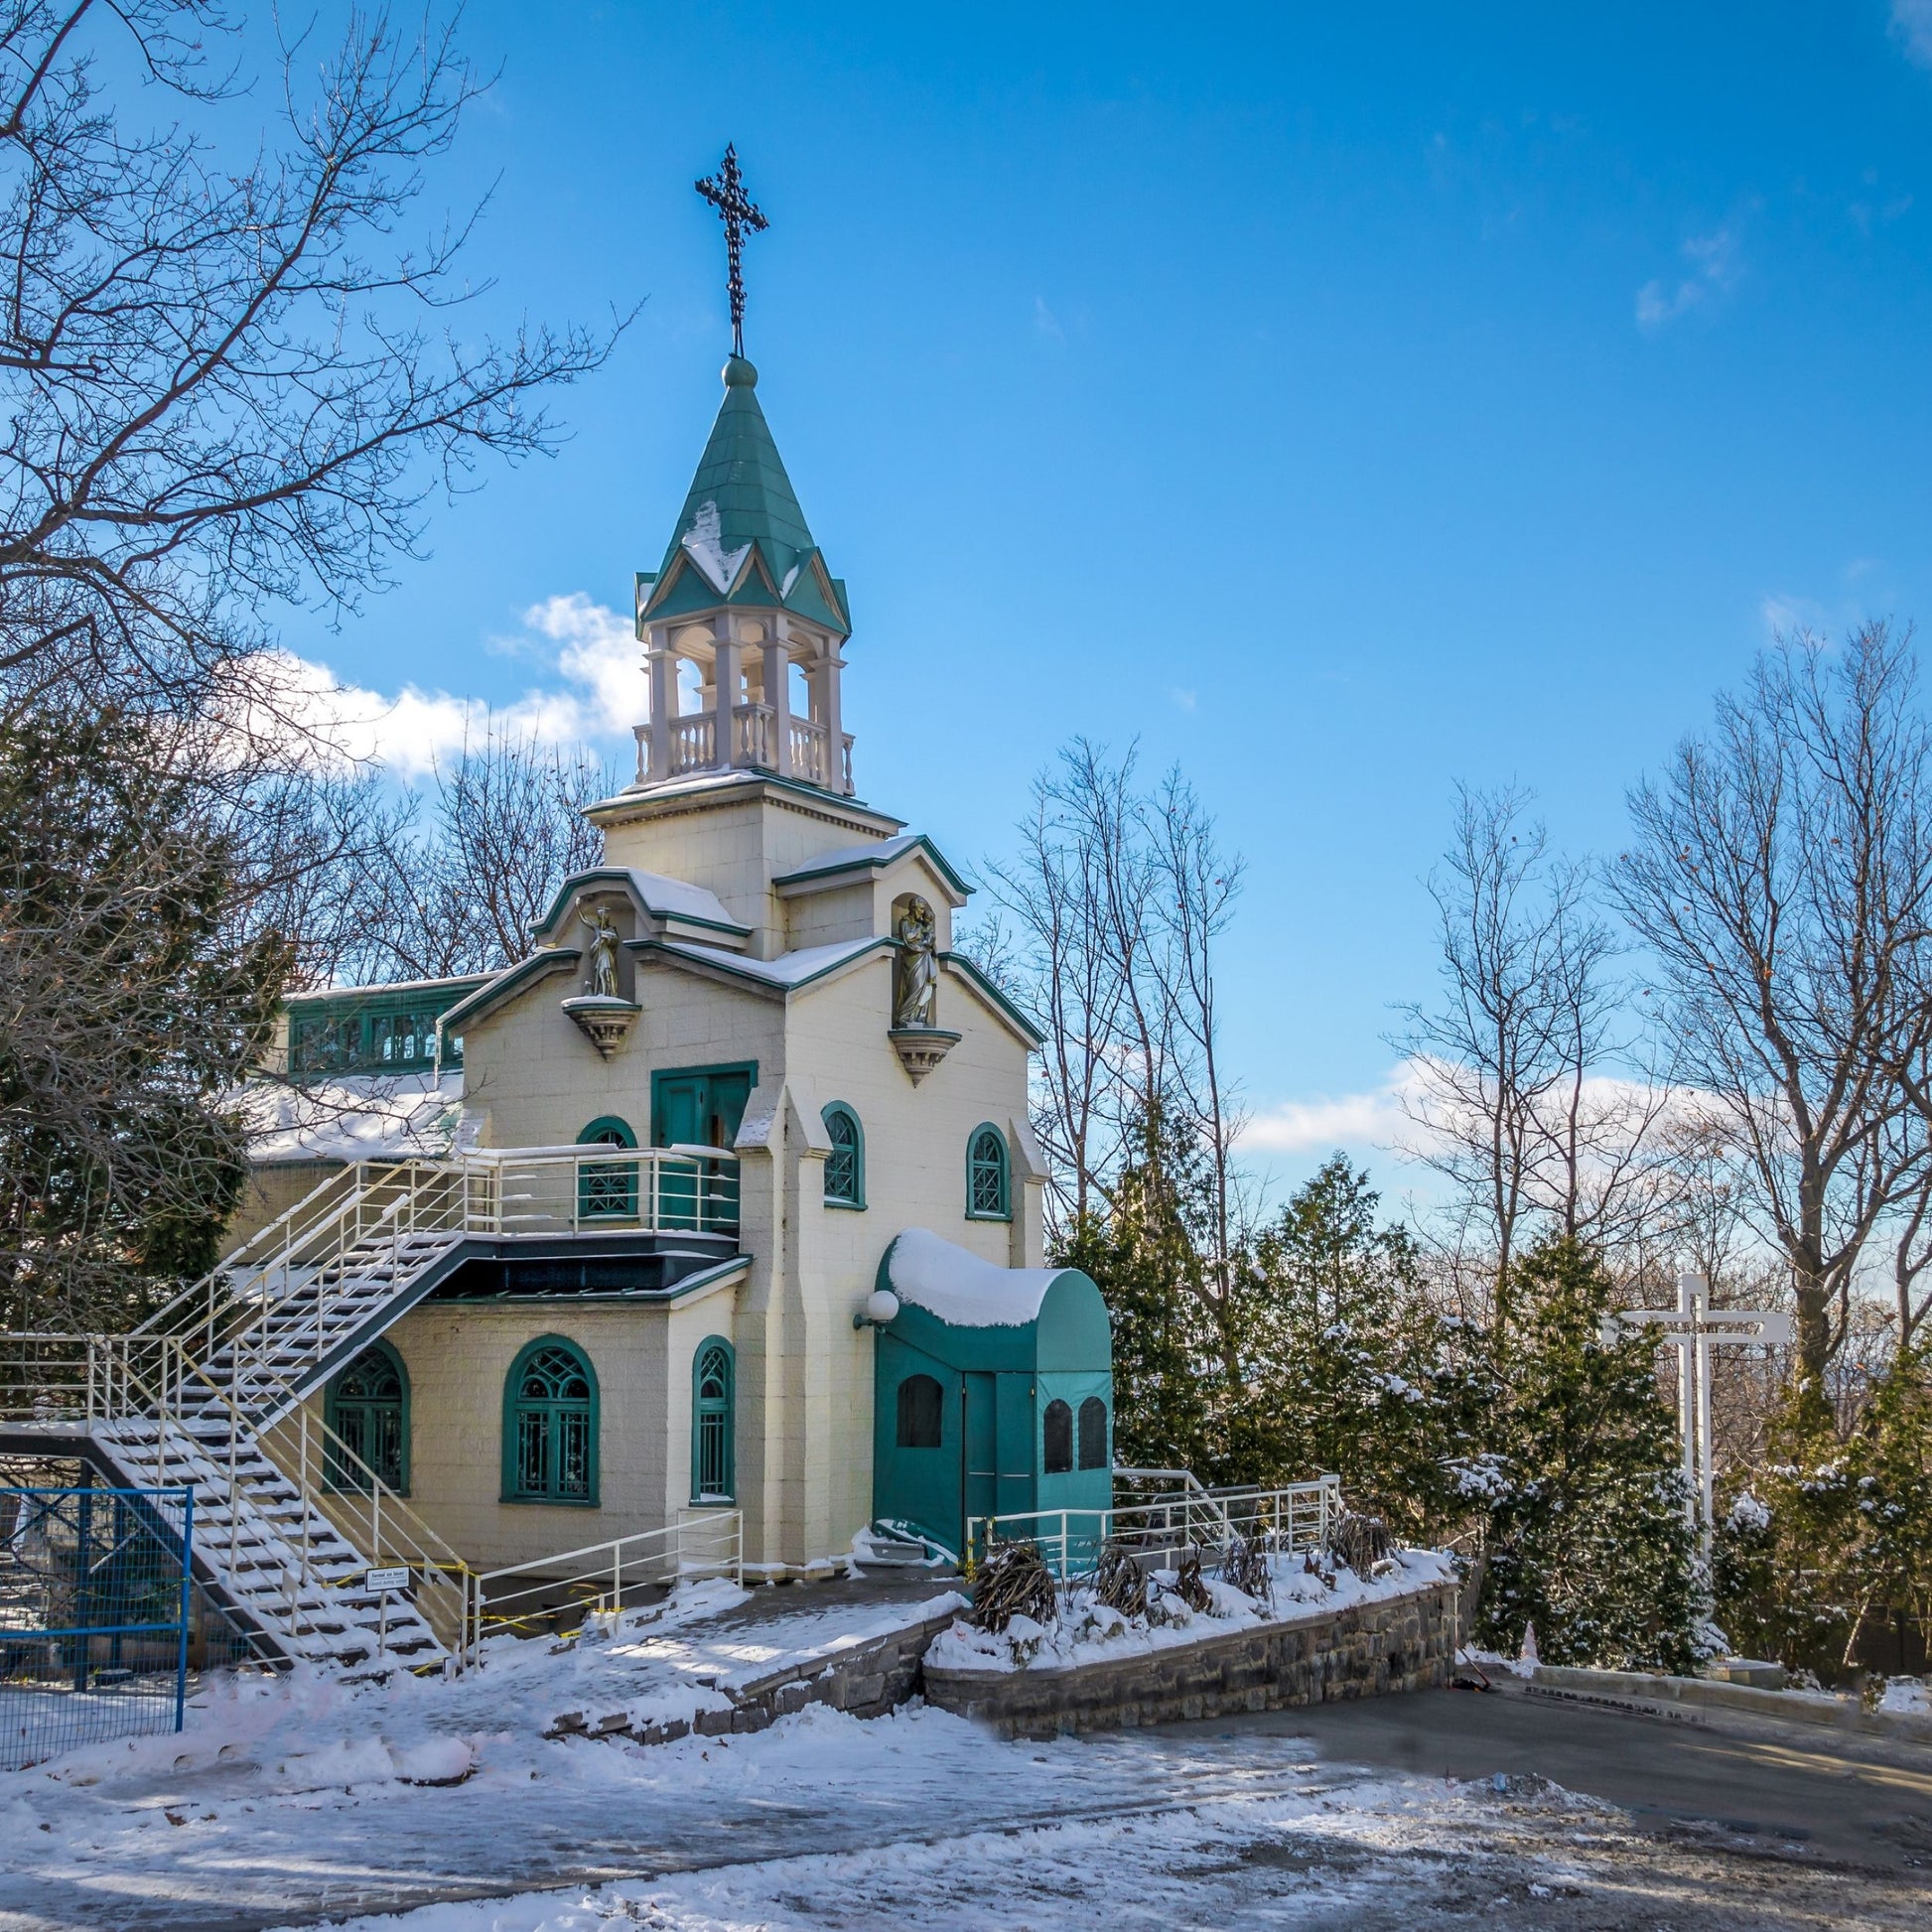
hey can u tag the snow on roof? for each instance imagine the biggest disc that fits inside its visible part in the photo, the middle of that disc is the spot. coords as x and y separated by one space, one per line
878 852
958 1286
354 1117
704 541
677 898
789 969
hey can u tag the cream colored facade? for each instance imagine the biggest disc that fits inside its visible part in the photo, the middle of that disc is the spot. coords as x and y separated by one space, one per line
804 1374
752 907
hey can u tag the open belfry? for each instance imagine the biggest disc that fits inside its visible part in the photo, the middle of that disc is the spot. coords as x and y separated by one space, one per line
711 1228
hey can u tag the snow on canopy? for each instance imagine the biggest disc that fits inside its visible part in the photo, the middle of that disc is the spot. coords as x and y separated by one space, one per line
958 1286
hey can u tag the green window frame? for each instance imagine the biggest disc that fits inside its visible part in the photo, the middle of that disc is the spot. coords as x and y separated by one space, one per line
607 1193
366 1405
550 1426
714 1422
1093 1434
845 1165
1056 1439
989 1176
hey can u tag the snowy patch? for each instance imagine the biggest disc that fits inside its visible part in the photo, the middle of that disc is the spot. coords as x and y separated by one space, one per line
354 1117
960 1288
704 542
1085 1632
789 969
1908 1696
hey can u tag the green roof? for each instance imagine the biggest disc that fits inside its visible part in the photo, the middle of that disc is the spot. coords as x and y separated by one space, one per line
741 537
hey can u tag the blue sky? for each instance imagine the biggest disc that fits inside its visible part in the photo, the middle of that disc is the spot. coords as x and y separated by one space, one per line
1343 402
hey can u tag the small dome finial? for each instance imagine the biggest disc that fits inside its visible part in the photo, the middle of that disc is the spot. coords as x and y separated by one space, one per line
739 374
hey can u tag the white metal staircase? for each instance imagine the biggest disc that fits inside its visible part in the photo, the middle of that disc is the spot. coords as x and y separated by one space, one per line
212 1392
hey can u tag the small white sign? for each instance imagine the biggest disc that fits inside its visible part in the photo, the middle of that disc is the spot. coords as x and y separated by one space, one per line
397 1578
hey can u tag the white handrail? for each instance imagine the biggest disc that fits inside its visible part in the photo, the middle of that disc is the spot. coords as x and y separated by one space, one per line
699 1541
1298 1516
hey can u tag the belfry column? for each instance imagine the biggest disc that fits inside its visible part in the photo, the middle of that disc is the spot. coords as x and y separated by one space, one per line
777 693
725 680
825 687
660 666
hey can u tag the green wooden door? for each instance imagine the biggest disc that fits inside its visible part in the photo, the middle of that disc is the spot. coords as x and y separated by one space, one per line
979 1437
701 1107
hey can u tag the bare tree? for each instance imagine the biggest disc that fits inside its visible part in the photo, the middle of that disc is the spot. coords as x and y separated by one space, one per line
506 827
1076 895
219 390
227 387
1199 884
1781 875
1519 1100
1118 901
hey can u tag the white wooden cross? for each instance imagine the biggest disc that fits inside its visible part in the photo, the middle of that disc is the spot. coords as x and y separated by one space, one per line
1694 1331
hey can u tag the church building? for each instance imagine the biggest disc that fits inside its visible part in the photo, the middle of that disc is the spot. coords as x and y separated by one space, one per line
722 1198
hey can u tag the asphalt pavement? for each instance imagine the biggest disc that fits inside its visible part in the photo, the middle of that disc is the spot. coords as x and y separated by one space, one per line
1845 1797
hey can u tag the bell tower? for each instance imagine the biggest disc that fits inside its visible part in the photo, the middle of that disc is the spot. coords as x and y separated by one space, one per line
743 763
743 598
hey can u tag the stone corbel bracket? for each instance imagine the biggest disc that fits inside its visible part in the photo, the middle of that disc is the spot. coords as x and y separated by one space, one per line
922 1048
604 1020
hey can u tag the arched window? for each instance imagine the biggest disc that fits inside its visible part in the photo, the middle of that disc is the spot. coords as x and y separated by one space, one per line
1058 1459
550 1426
921 1404
367 1406
608 1193
987 1195
712 1371
845 1165
1093 1434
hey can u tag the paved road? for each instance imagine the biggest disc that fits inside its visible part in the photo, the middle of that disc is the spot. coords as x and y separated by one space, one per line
1867 1802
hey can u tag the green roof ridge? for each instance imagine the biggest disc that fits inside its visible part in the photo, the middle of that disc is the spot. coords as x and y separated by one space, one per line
742 476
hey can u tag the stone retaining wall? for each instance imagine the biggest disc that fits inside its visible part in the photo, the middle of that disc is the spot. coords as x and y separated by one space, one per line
1401 1643
868 1680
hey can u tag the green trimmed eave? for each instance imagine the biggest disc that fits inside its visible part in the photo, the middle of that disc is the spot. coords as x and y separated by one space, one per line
1014 1017
511 981
624 876
682 590
874 864
730 966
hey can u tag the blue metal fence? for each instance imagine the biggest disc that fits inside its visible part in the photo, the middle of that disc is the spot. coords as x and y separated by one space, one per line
94 1607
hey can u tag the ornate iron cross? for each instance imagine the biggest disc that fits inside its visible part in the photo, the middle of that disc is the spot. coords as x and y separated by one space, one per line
725 190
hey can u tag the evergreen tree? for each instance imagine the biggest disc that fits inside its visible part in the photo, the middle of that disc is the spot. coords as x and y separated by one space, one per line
1348 1368
1141 1259
129 1007
1588 1536
1833 1537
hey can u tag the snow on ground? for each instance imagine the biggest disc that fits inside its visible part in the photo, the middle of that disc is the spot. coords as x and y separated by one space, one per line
441 1804
1088 1632
1908 1696
1311 1855
290 1800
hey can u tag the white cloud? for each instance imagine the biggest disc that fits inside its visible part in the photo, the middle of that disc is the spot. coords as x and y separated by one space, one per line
1912 26
1351 1119
1407 1114
597 694
1712 267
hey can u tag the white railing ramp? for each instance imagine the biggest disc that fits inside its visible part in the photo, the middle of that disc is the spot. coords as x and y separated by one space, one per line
212 1391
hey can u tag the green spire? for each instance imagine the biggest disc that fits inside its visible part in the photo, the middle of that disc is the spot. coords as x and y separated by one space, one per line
742 537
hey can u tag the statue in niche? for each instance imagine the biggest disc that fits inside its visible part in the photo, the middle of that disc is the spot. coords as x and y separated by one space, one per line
602 964
918 980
